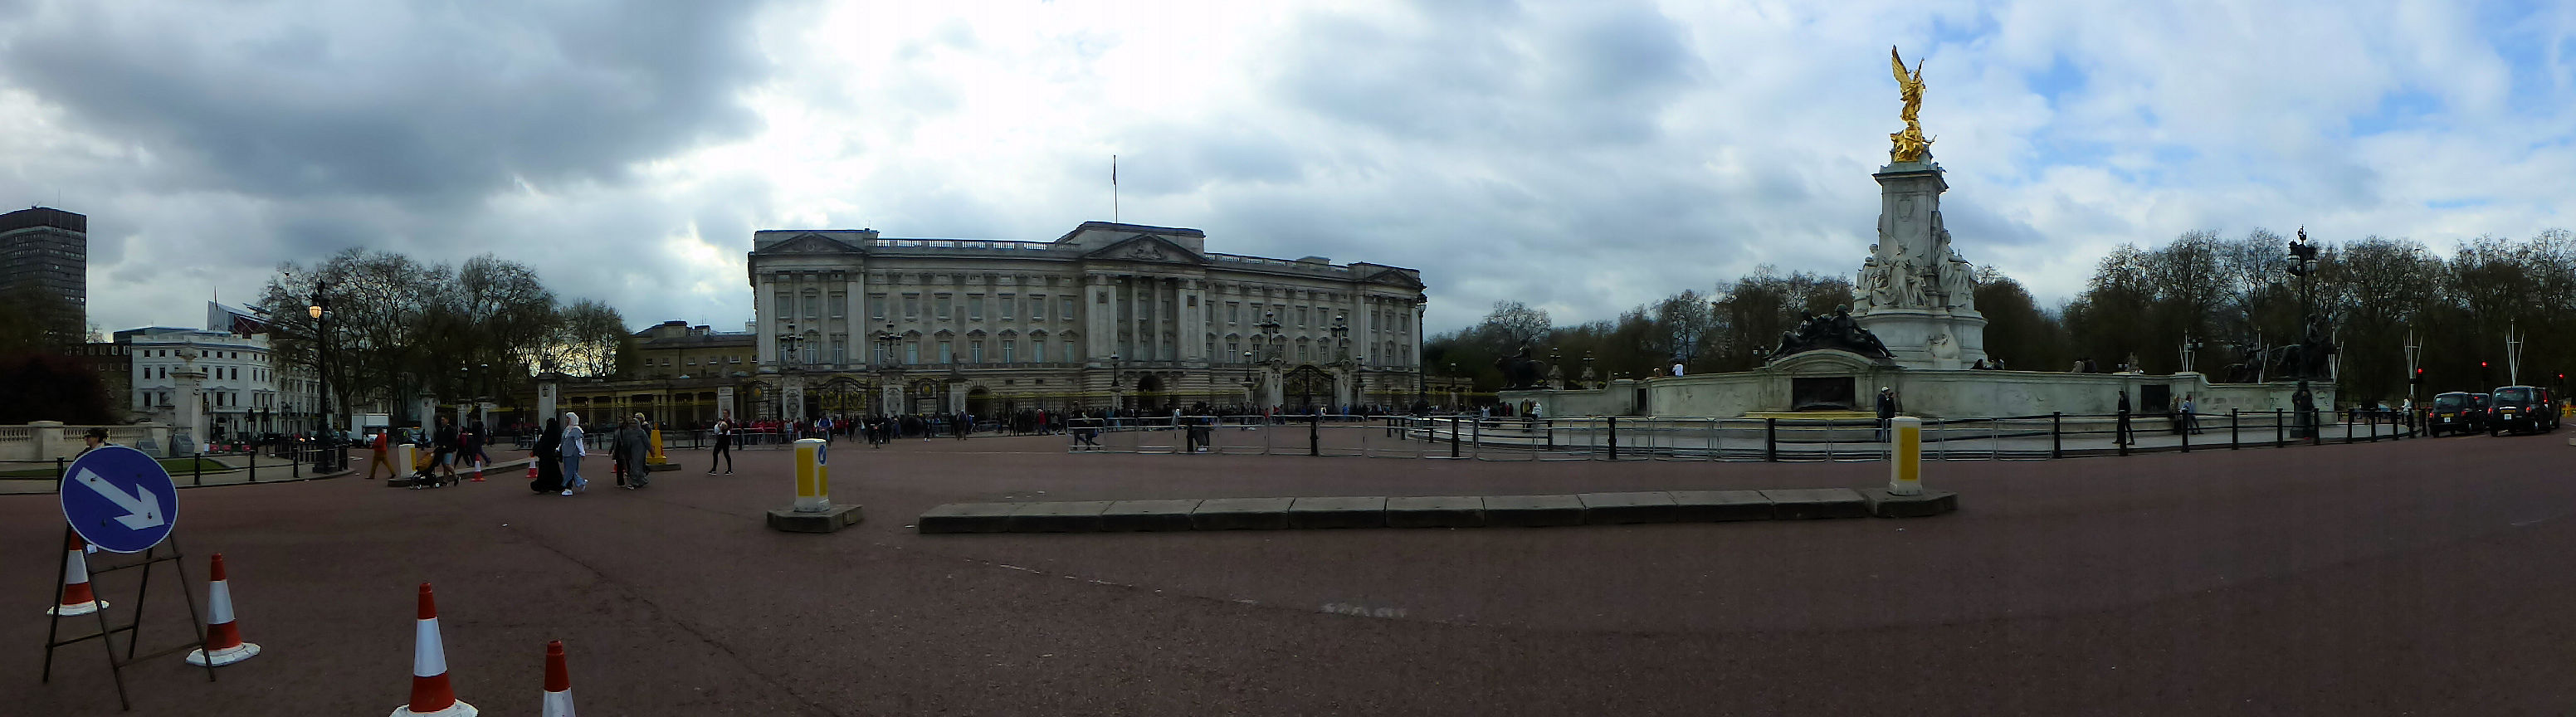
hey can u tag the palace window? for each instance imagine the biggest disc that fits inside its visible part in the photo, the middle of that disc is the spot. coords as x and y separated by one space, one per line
1010 307
975 308
911 306
1010 350
975 351
1037 306
877 306
942 312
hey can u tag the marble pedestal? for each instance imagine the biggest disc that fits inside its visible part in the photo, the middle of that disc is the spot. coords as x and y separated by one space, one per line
1908 334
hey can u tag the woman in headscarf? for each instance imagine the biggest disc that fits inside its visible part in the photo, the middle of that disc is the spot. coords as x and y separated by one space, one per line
572 453
549 457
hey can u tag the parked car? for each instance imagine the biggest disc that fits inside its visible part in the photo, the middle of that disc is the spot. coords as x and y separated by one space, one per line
2457 412
2522 408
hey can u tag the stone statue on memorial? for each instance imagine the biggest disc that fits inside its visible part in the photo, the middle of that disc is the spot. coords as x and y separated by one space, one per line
1958 285
1882 288
1912 286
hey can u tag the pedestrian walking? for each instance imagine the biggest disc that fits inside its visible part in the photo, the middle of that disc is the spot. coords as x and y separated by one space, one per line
2190 415
724 445
548 457
382 457
630 448
2121 433
573 451
472 439
445 444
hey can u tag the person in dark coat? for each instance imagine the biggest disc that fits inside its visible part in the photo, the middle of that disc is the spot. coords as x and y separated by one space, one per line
1886 411
549 453
2124 436
630 446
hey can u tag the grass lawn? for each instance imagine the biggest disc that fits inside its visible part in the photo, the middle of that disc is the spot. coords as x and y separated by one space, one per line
176 466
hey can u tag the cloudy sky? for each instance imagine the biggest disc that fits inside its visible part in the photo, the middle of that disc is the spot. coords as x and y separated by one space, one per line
1583 156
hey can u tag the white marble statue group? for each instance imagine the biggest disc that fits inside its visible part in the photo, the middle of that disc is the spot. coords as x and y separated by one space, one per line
1949 283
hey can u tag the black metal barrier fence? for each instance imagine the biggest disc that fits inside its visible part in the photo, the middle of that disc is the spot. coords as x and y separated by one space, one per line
1470 437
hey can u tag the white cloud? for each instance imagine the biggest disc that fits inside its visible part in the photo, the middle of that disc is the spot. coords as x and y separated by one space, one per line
1586 157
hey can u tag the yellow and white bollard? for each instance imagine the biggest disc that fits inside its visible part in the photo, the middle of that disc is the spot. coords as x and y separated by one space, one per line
1905 456
813 476
813 511
406 455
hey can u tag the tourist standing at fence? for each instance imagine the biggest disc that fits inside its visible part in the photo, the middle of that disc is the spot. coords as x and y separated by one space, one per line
2190 415
1886 411
724 445
573 450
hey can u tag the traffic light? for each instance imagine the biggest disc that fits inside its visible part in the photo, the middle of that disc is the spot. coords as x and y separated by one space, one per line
2419 377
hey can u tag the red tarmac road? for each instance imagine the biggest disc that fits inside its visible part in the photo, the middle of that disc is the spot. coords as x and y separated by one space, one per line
2424 577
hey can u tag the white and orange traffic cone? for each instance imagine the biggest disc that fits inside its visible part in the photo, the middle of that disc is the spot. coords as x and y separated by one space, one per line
77 597
224 645
430 693
558 682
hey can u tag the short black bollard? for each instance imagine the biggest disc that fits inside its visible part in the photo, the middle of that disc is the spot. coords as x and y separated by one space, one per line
58 475
1453 436
2186 436
1614 436
196 470
1314 435
2235 439
2057 434
2280 438
2120 433
1771 440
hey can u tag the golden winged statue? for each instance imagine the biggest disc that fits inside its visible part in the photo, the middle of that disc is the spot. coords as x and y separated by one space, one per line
1911 145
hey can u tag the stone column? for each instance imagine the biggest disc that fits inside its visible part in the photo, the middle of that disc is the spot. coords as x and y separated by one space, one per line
855 332
549 386
1101 320
1194 323
192 411
724 404
49 440
764 314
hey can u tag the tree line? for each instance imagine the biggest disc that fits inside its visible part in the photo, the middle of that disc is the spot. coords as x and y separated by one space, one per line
2229 296
398 327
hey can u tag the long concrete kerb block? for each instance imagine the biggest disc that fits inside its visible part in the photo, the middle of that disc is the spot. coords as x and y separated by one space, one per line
1241 514
968 518
790 520
1073 517
1533 511
1628 508
1462 511
1815 503
1148 515
1925 504
1344 512
1718 506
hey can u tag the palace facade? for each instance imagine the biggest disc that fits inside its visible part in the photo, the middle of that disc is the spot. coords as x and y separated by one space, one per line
1139 317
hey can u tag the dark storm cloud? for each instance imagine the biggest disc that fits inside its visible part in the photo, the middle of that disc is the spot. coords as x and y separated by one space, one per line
435 103
1463 73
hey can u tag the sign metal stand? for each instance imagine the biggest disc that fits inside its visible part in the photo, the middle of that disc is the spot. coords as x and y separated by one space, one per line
137 487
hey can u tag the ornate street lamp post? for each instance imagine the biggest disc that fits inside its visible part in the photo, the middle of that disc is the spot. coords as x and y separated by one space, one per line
332 456
890 342
2303 264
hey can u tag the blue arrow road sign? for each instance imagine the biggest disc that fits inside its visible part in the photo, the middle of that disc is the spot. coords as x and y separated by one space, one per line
119 499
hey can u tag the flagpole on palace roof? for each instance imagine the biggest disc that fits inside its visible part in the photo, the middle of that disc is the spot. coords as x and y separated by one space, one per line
1113 188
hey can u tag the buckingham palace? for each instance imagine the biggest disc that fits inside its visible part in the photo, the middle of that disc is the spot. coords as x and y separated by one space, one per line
1139 317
